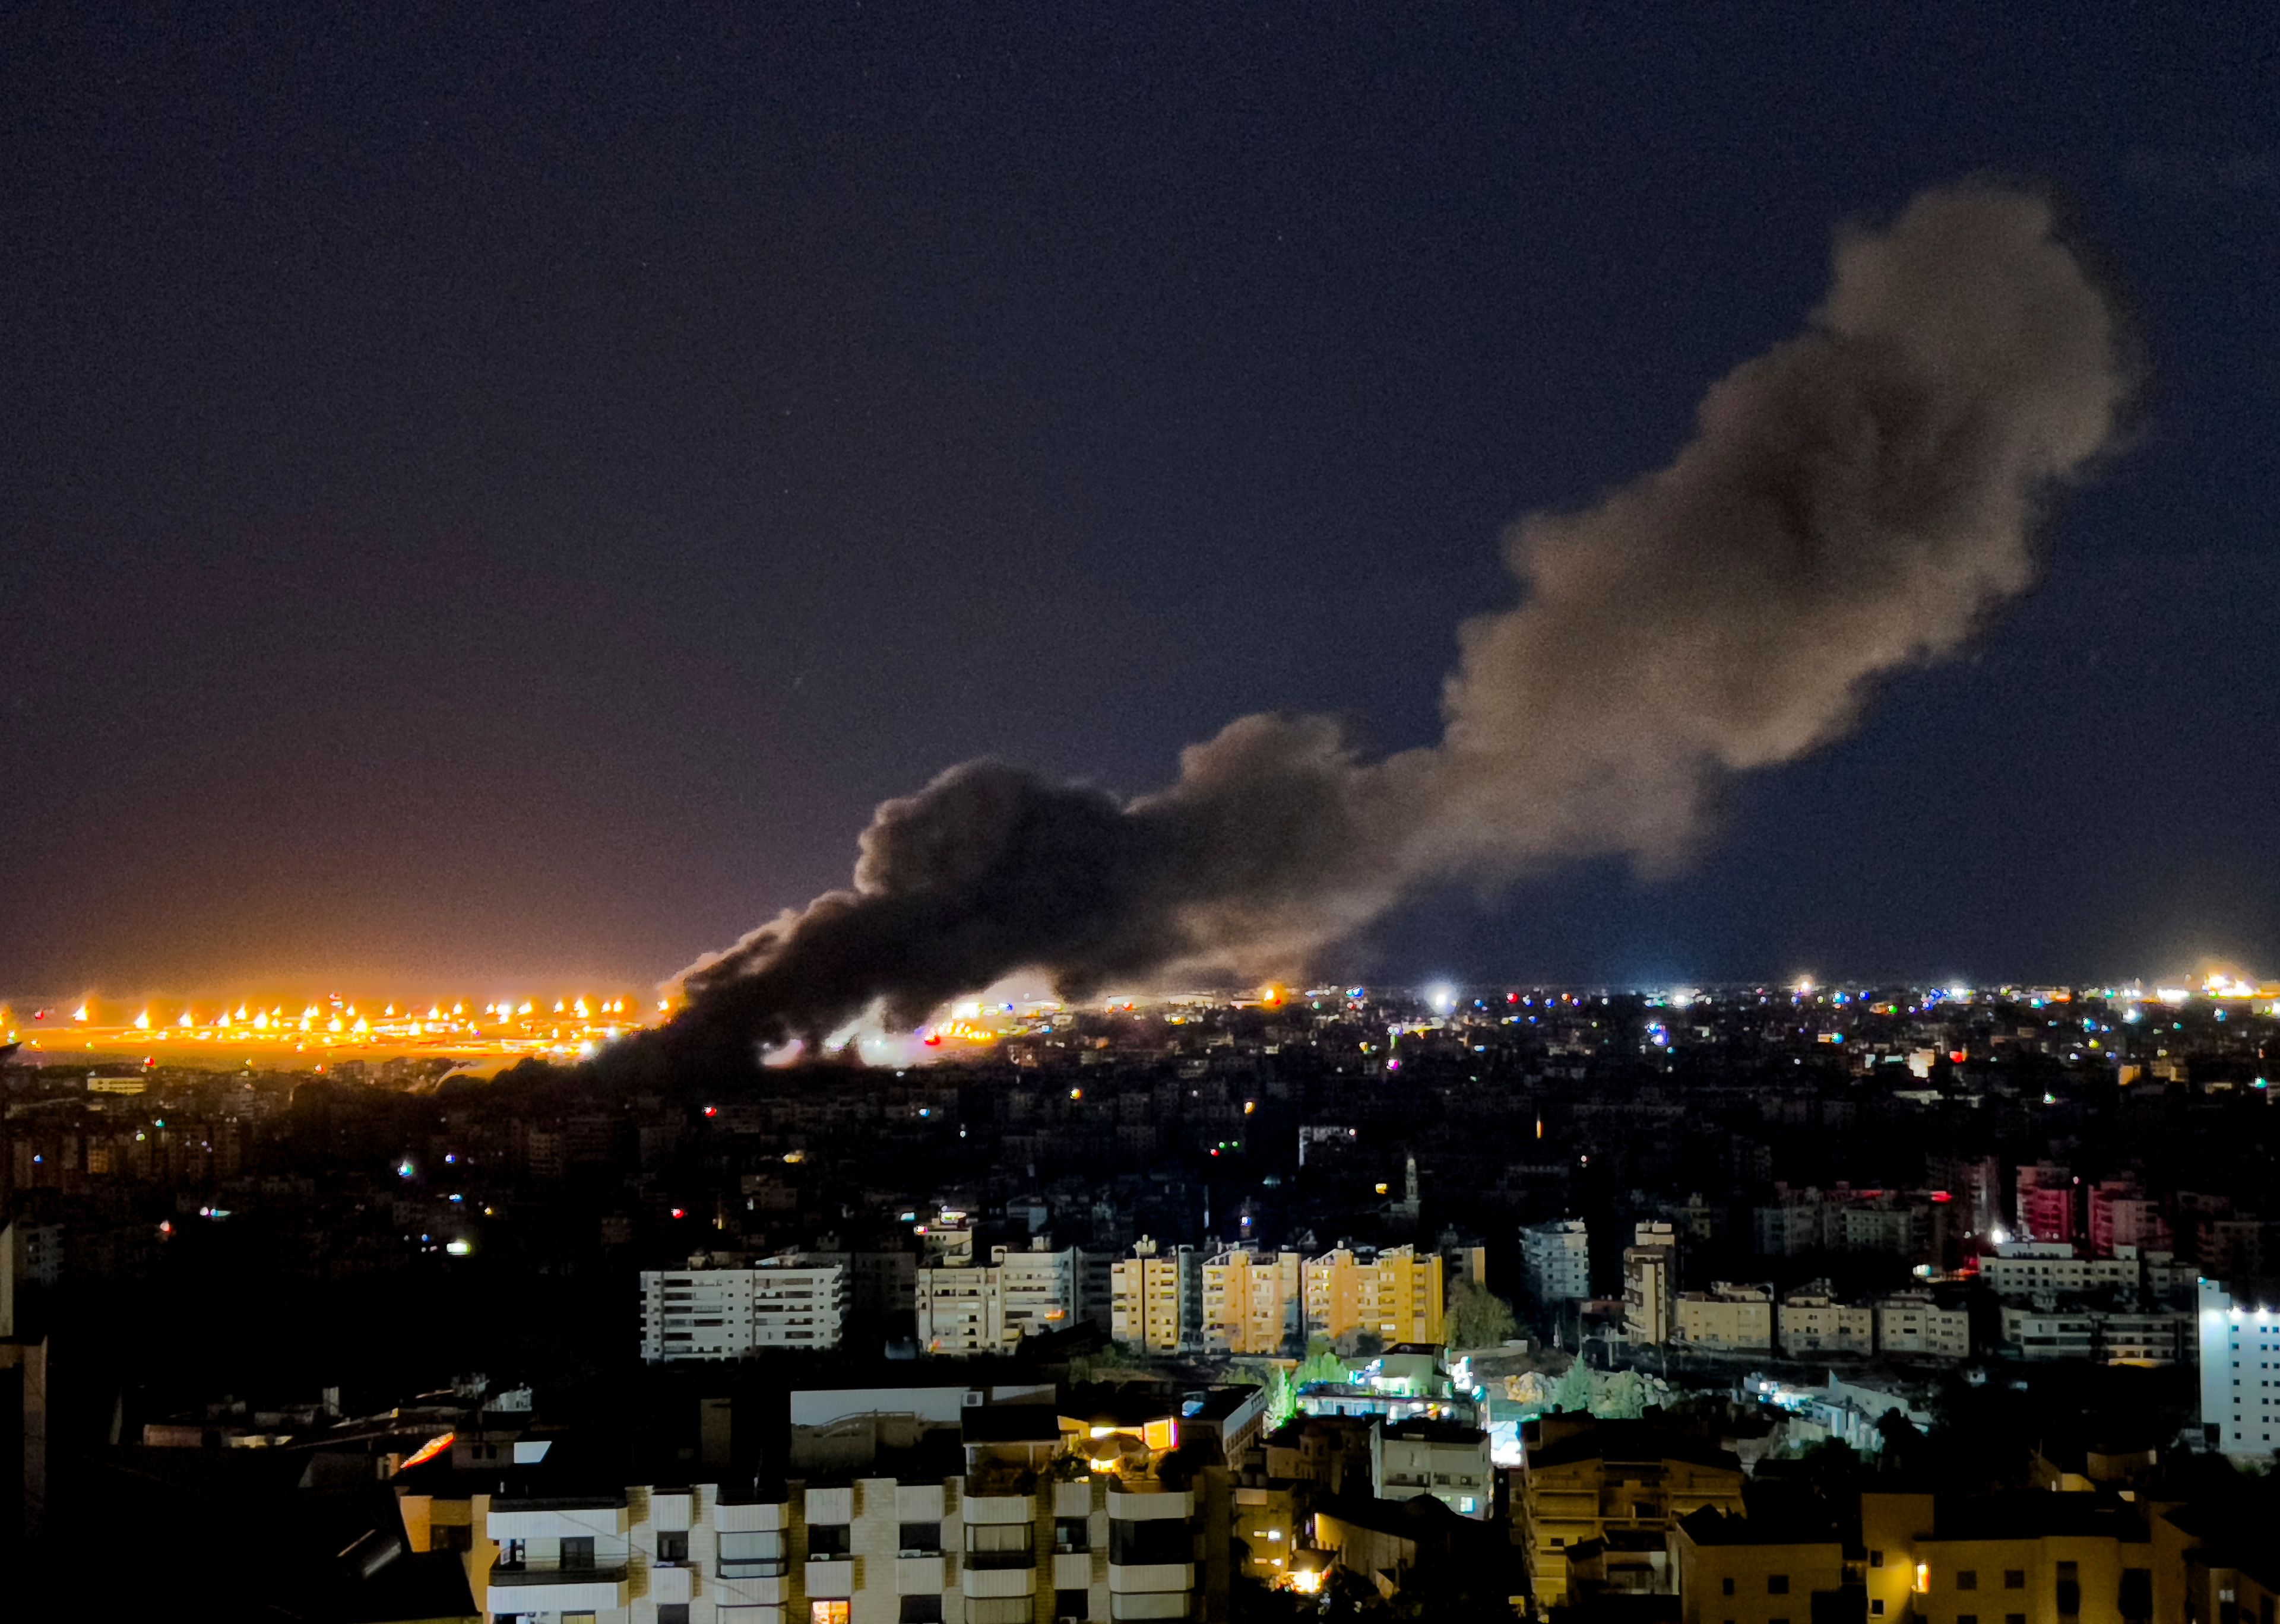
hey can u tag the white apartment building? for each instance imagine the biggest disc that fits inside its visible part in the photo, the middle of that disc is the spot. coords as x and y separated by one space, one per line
1555 1258
1813 1322
1449 1462
1156 1298
732 1310
2113 1336
2031 1268
1014 1518
988 1308
1911 1322
2239 1349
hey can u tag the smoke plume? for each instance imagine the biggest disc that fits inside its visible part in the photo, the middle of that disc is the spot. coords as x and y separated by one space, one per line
1853 501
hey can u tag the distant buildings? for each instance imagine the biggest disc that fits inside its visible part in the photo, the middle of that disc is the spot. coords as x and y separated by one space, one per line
731 1310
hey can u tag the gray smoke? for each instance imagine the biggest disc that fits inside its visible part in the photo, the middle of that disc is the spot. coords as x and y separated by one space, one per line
1854 502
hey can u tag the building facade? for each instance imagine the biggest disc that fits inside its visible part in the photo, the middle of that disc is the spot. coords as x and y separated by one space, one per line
732 1310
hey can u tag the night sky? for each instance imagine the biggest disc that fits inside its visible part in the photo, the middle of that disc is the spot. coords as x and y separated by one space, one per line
504 495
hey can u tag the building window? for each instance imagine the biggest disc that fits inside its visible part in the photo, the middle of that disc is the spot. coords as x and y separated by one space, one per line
1777 1584
2015 1617
673 1545
2014 1578
1726 1587
920 1539
1072 1606
1966 1578
1967 1618
578 1551
1876 1558
828 1541
1072 1534
755 1555
830 1612
998 1544
1875 1606
673 1613
921 1610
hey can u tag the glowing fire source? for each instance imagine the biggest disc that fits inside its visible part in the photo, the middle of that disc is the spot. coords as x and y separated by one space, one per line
298 1032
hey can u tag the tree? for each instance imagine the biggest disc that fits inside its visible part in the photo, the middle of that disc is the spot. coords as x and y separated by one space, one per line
1574 1393
1321 1364
1622 1397
1477 1316
1281 1398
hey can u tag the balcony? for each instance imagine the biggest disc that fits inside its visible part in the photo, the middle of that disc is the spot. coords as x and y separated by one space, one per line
516 1575
551 1588
989 1561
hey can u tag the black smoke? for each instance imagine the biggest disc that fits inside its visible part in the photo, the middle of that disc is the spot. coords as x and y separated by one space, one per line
1854 501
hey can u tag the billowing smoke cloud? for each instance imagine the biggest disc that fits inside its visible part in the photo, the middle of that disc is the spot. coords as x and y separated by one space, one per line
1853 501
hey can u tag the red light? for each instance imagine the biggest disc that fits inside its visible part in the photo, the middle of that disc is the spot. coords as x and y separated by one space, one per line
166 1226
1511 998
1214 1150
934 1040
680 1212
1958 1056
1941 1195
711 1110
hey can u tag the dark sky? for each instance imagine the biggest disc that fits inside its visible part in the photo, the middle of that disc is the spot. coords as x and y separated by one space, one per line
505 493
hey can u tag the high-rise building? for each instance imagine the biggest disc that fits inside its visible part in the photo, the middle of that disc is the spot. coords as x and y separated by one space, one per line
1555 1260
2046 1205
731 1310
1396 1294
1251 1301
1156 1298
2122 1214
2239 1351
1651 1283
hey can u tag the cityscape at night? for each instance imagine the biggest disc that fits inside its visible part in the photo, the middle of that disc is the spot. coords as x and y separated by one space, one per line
853 813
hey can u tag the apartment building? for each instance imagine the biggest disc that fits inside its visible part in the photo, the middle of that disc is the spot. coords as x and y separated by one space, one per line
968 1309
1755 1570
1914 1323
1555 1259
1252 1302
900 1505
1156 1298
723 1308
2122 1214
2239 1349
1726 1319
2038 1331
2028 1268
1449 1462
1651 1284
1813 1322
2028 1558
1586 1480
1397 1294
2046 1204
